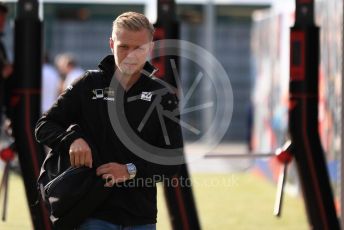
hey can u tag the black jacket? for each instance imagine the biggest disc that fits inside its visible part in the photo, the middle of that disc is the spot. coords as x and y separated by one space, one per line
86 103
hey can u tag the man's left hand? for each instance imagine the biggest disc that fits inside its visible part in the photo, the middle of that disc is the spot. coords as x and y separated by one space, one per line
113 173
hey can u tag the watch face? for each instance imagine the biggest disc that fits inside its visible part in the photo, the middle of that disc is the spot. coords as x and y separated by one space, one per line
131 170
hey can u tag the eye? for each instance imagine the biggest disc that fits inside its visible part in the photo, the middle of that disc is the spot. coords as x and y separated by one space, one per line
123 46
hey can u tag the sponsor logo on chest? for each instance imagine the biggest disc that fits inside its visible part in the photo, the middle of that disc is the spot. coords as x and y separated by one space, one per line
107 94
146 96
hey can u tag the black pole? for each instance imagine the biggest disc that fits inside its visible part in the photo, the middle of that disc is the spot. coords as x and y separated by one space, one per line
25 103
179 198
303 119
166 27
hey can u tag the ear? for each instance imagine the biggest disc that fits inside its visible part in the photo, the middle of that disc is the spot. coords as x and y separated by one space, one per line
111 44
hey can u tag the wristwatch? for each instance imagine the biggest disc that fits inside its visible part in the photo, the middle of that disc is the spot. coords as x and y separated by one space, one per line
131 170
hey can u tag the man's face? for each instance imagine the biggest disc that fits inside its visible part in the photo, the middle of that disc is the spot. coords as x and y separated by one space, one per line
130 49
62 66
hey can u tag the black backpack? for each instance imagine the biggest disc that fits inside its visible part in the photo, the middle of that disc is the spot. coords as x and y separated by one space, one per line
71 194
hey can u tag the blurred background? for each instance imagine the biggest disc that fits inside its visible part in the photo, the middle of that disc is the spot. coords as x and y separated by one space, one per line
250 39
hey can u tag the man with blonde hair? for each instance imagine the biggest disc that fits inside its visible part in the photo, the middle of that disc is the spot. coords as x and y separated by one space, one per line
132 203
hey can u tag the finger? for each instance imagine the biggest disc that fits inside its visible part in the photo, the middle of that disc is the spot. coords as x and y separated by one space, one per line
71 158
82 157
77 159
104 170
109 180
107 177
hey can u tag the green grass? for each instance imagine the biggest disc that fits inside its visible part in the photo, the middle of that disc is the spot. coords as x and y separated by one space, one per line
224 201
18 217
239 201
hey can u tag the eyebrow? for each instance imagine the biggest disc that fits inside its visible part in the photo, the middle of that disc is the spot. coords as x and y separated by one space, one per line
124 44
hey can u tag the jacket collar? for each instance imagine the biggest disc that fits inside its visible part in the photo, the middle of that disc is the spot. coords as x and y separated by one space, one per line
108 66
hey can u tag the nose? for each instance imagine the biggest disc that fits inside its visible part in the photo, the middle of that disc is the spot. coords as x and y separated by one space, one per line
132 53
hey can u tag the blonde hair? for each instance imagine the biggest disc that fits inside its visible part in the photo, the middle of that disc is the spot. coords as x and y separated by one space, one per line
132 21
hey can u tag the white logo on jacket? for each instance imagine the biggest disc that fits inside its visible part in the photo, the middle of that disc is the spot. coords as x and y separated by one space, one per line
146 96
106 94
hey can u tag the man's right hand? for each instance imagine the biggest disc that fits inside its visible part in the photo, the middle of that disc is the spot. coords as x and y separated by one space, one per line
80 154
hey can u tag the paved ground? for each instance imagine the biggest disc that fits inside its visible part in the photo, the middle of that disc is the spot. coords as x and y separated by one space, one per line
200 162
